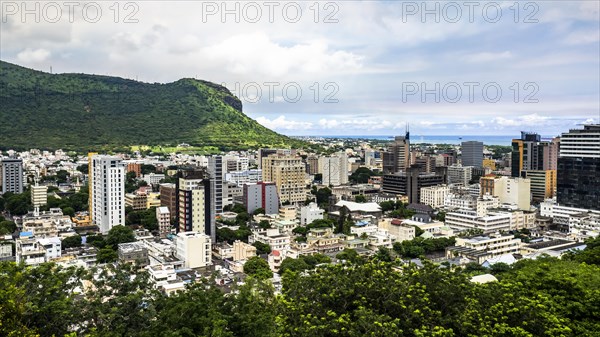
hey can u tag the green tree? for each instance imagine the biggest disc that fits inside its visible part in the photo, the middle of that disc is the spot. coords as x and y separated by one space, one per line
106 255
264 224
119 234
294 265
258 211
360 198
7 227
262 248
96 241
387 206
348 254
323 195
258 268
383 254
71 242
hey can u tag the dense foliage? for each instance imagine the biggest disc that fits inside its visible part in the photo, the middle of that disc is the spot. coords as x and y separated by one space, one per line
544 297
83 112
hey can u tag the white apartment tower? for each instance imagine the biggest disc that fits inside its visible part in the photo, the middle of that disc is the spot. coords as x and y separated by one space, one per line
334 169
107 187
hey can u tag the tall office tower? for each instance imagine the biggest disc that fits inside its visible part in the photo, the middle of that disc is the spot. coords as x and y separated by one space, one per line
261 195
397 156
217 176
288 173
410 182
551 160
264 153
12 175
107 180
527 154
579 168
334 169
472 153
427 161
195 209
168 198
543 184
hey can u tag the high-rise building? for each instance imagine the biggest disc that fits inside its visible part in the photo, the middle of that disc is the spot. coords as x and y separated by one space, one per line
163 217
195 211
427 161
472 153
397 156
135 168
12 175
510 190
527 153
264 153
168 198
39 196
288 173
578 173
334 169
551 160
107 180
217 176
261 195
543 184
410 182
312 165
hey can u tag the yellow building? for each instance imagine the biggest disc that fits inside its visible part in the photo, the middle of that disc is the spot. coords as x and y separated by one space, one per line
490 163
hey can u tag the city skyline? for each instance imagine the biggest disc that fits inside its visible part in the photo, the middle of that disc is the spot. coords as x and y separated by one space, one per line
365 62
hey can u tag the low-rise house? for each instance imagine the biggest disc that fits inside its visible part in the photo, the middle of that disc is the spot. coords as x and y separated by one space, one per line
133 252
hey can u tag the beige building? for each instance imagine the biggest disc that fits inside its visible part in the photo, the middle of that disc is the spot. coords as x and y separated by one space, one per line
136 201
396 228
193 249
243 251
163 216
288 212
288 173
509 190
39 196
434 195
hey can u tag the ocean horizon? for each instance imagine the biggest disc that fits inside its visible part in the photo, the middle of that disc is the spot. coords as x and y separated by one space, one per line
437 139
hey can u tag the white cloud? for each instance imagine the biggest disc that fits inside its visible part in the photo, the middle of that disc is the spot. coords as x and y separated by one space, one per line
282 123
488 57
33 56
526 120
256 53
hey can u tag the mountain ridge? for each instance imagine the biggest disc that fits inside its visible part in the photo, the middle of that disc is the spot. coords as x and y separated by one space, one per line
96 112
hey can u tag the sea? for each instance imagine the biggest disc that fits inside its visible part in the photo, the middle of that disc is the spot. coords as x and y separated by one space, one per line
440 139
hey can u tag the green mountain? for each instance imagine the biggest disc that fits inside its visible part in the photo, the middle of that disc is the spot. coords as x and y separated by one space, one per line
91 112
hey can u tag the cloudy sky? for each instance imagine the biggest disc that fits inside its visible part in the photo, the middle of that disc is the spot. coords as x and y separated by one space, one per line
339 68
